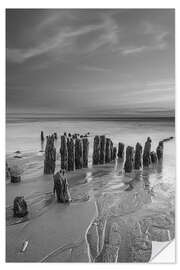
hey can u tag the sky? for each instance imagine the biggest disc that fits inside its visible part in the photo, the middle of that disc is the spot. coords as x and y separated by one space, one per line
90 62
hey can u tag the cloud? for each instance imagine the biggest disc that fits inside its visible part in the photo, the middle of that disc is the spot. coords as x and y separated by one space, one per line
60 40
137 50
60 34
159 44
148 36
20 55
133 50
65 37
109 35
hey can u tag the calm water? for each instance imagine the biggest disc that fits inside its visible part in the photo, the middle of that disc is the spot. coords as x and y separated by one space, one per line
25 136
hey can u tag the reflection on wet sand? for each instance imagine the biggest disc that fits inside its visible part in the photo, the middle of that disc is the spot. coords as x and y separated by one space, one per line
128 222
132 211
42 146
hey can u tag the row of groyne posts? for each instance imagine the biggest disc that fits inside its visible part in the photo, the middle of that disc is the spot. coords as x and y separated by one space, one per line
104 152
138 158
74 153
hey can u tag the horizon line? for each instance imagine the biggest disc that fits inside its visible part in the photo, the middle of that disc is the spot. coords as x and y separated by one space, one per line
97 118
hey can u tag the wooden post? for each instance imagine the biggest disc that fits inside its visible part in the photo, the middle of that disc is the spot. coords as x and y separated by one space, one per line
138 156
20 208
42 136
7 170
61 187
108 151
58 188
159 150
85 152
15 179
120 150
111 150
55 135
96 150
71 153
153 156
102 149
114 153
146 153
64 153
15 174
128 165
161 144
168 139
78 154
50 156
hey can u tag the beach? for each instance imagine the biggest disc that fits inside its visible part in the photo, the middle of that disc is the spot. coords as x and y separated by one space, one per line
106 221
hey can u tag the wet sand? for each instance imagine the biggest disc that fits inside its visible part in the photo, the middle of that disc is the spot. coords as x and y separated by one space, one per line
107 221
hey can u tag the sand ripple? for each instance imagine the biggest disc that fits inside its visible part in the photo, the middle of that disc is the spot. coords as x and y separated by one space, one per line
126 225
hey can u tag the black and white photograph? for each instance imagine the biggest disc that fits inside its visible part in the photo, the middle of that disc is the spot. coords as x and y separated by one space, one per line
90 155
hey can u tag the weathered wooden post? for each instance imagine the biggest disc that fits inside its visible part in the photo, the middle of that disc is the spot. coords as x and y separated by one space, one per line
168 139
50 156
85 152
159 150
120 150
161 144
64 152
114 153
7 170
108 151
128 165
58 188
15 174
102 149
138 156
20 208
111 150
67 195
96 150
78 154
61 187
153 156
42 136
71 154
55 135
146 153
